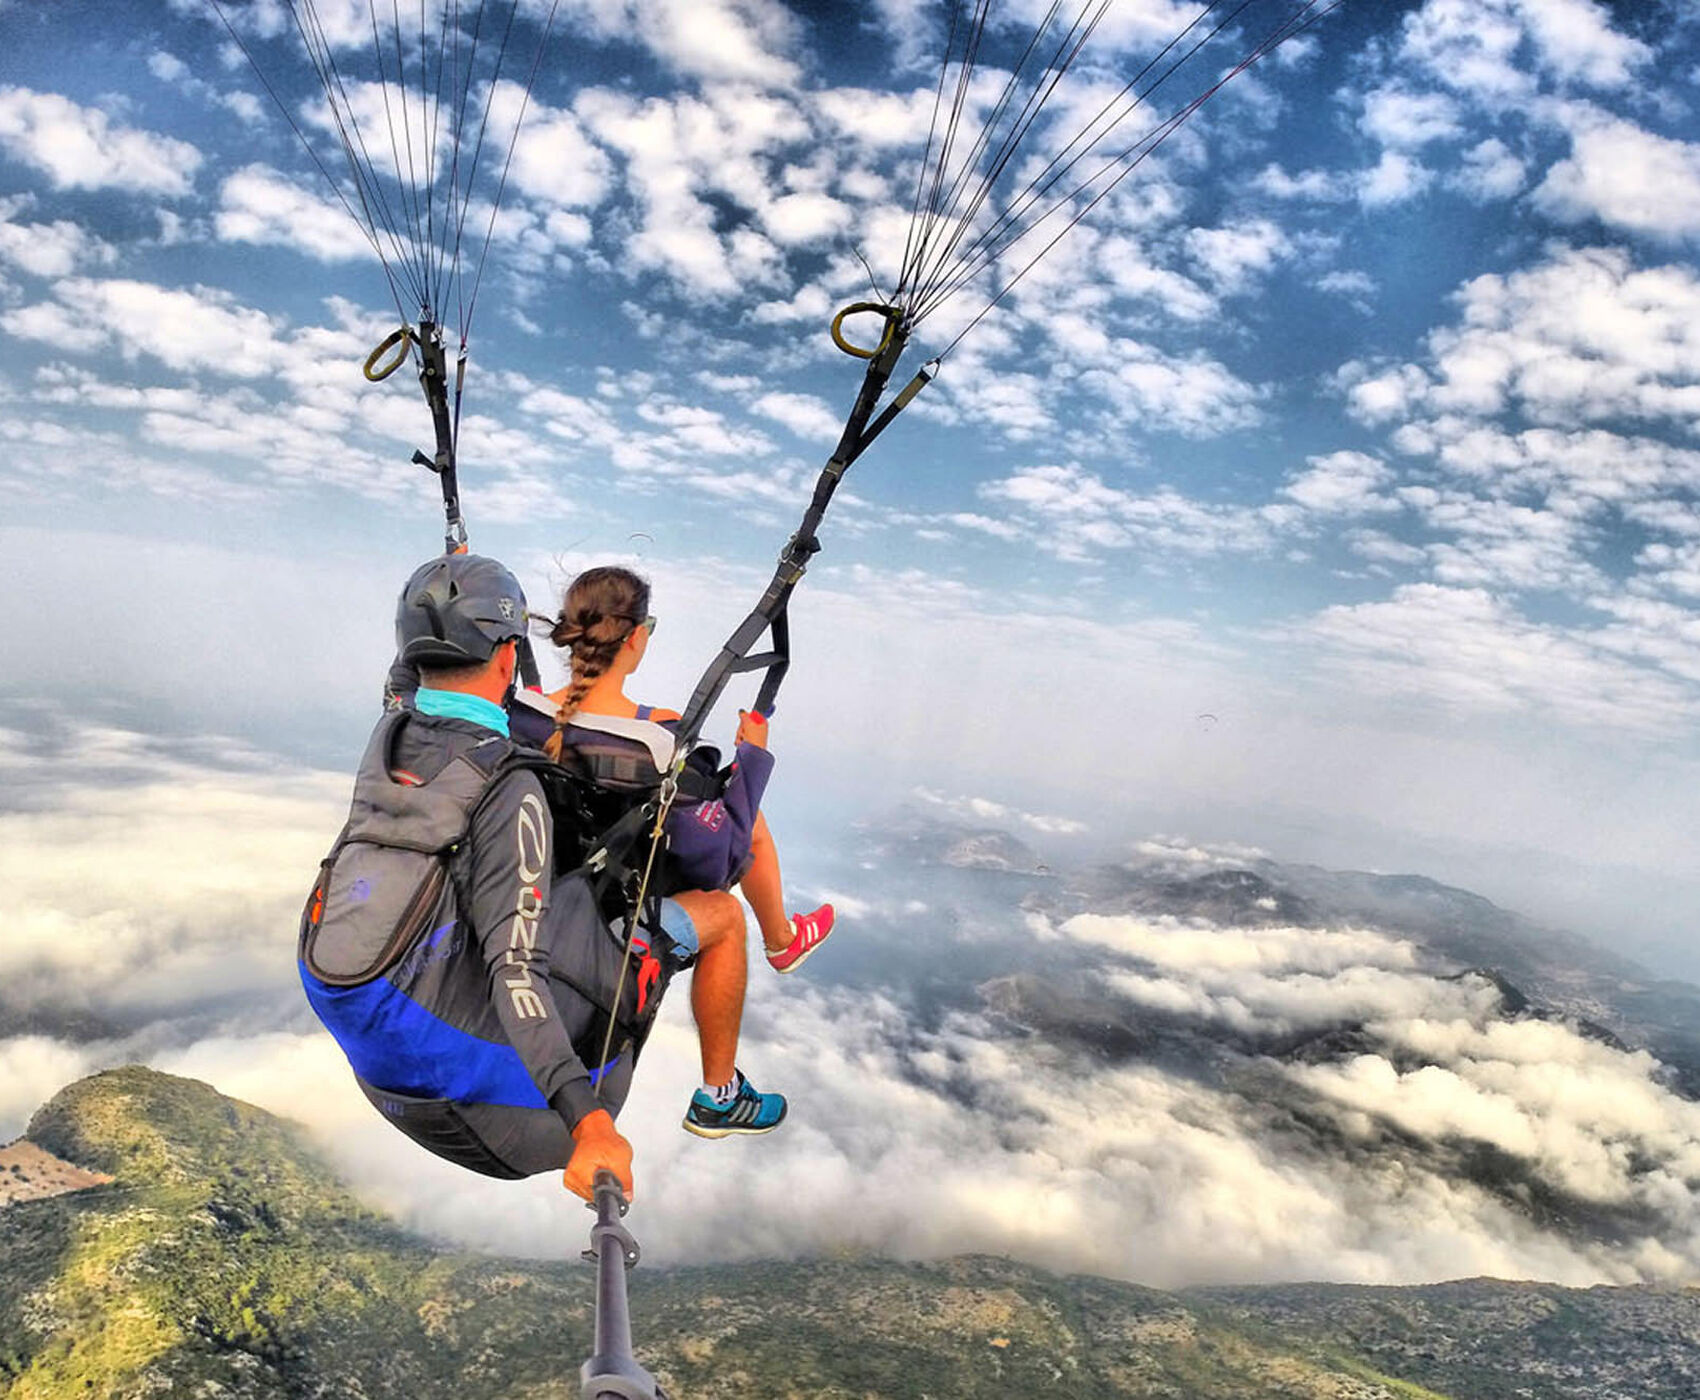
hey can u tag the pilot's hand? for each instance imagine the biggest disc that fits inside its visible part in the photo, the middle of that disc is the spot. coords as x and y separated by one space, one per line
597 1145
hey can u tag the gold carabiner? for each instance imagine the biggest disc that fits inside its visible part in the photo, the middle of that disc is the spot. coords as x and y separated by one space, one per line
402 338
893 319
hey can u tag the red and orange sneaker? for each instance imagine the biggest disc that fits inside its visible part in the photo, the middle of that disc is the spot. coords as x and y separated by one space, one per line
812 930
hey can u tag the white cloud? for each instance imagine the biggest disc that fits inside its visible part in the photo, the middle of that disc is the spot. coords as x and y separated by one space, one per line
1321 185
167 67
1395 178
202 328
173 71
1380 548
1583 336
1342 483
1469 46
806 217
1233 256
1575 40
48 250
1490 170
1675 568
875 118
1624 176
1497 543
1349 282
1475 46
804 414
1193 395
260 205
984 809
717 40
83 148
1125 265
985 525
55 324
1076 515
33 1068
1407 120
112 882
1471 651
677 152
554 159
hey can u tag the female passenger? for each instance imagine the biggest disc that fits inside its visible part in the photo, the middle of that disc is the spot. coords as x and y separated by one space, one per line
604 626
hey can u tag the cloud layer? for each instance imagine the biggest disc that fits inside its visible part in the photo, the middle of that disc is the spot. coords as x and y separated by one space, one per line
976 1120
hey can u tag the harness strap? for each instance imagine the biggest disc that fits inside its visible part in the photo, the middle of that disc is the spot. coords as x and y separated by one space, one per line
770 612
659 741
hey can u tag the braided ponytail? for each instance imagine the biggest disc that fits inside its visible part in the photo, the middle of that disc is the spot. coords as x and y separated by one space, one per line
601 609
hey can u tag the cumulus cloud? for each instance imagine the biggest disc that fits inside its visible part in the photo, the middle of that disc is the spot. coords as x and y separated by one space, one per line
1075 515
184 892
260 205
913 1133
1343 483
1470 649
1232 257
200 328
1408 120
984 809
1476 46
48 249
718 40
1624 176
554 159
1393 179
678 152
804 414
33 1068
1490 170
1194 395
83 148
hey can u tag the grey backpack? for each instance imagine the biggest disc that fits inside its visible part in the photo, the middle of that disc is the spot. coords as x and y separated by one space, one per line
385 877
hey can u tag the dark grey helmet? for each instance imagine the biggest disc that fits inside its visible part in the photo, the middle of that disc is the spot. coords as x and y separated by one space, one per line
456 610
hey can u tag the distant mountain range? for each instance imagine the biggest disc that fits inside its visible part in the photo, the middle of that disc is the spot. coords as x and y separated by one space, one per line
1092 960
1541 970
222 1258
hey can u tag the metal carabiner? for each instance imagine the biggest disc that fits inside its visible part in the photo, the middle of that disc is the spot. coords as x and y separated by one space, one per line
402 338
893 320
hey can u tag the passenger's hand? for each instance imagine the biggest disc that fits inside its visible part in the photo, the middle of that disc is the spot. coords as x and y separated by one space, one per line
752 728
597 1144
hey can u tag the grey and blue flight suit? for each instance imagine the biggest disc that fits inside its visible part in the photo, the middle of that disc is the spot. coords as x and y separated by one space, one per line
480 1037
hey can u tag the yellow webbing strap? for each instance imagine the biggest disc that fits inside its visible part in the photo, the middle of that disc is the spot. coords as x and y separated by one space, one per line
401 341
893 319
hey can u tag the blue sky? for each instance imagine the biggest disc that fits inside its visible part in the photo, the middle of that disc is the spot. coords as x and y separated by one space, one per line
1361 418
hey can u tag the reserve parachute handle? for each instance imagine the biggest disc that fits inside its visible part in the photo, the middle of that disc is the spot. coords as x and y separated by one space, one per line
401 341
893 323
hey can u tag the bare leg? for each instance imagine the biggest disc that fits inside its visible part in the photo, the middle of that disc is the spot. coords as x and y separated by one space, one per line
765 891
717 982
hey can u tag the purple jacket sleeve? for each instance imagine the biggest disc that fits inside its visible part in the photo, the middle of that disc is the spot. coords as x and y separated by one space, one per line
709 842
511 869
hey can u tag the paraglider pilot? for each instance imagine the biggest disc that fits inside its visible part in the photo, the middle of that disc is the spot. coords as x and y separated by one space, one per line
471 988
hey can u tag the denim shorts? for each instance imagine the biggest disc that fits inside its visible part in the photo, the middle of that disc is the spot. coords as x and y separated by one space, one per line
680 929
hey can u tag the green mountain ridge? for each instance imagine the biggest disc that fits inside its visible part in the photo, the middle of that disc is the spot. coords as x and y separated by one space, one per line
224 1259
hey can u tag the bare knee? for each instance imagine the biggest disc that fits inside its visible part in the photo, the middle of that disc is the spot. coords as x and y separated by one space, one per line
718 916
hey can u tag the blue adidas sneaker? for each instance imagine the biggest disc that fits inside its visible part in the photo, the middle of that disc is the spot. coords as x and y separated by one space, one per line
750 1112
